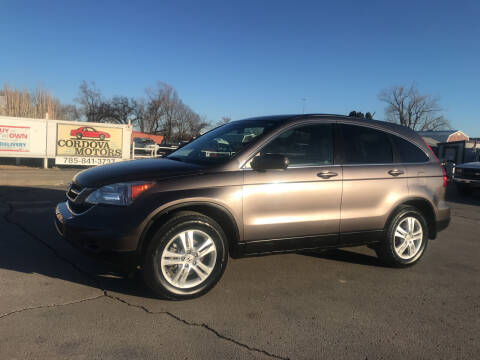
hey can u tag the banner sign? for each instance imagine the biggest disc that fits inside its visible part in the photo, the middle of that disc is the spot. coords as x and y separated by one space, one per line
87 145
14 138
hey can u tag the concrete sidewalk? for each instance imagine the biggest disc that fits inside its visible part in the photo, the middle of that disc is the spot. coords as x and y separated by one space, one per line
24 176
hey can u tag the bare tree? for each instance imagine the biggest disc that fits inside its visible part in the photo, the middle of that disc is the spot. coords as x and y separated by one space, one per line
38 103
119 110
223 121
160 111
91 102
407 107
151 111
69 112
164 112
188 124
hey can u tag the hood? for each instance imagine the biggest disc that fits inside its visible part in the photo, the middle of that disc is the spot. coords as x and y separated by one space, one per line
134 170
470 165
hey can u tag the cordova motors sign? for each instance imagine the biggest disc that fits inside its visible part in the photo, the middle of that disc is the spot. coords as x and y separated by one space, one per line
88 145
90 148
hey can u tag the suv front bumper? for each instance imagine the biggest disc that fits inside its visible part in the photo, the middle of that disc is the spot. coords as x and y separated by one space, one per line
87 232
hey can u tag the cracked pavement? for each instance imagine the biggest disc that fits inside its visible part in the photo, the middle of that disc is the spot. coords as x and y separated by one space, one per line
57 303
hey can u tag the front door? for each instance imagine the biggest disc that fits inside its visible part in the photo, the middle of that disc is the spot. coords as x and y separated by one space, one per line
298 207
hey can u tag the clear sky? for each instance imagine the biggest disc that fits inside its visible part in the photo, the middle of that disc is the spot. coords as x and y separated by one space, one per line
247 58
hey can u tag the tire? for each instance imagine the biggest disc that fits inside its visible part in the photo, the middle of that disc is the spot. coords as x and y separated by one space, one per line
79 136
102 137
390 251
160 270
464 189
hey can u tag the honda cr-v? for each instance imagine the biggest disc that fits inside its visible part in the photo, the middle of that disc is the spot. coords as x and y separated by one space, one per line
260 186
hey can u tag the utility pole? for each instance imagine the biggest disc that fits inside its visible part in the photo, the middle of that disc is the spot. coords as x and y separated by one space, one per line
303 100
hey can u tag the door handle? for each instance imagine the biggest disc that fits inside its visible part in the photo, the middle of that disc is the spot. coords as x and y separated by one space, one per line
325 174
395 172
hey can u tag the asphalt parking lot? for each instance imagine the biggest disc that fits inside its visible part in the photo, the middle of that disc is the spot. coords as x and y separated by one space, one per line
57 303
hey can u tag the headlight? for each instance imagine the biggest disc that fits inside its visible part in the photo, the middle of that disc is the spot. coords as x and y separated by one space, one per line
118 194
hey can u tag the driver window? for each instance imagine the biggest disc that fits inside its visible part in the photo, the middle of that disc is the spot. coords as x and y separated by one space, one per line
310 145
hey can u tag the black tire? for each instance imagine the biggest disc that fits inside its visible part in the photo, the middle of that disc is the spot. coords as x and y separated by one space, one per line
386 249
464 189
79 136
102 137
183 220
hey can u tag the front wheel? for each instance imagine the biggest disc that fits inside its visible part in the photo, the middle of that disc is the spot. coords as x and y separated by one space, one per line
186 257
406 238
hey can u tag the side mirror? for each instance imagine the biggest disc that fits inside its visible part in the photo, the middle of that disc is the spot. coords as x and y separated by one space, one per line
269 162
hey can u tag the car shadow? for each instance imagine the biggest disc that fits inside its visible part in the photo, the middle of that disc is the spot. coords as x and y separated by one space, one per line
29 240
344 255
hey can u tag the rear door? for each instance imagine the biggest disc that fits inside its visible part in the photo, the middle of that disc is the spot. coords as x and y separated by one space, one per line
372 182
298 207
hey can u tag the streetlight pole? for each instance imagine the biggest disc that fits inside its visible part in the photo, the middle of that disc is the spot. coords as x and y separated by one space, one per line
303 104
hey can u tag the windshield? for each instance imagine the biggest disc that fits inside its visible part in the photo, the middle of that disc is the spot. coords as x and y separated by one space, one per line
222 143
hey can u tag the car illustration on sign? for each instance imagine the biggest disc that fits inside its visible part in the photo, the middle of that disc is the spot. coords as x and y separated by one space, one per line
89 132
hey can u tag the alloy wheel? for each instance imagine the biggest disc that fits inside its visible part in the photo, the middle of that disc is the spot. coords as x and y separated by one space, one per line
188 259
408 238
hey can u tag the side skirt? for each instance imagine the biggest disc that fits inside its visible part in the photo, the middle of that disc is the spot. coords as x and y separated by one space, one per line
286 245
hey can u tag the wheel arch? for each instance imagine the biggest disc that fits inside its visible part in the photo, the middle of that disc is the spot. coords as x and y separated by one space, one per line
215 211
425 207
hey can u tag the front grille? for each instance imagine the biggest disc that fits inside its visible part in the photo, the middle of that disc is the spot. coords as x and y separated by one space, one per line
73 191
76 199
78 208
473 174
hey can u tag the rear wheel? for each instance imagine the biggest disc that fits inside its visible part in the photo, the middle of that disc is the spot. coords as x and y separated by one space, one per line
186 257
79 136
406 238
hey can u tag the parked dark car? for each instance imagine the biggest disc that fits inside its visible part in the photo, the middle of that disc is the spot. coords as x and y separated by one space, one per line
260 186
467 177
142 143
167 147
144 146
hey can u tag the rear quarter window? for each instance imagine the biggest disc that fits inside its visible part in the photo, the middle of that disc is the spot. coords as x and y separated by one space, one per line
408 152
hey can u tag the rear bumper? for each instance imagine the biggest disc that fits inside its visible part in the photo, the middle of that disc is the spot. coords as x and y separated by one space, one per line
443 224
442 217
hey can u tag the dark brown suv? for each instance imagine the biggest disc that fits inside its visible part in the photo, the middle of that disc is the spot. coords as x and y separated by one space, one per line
259 186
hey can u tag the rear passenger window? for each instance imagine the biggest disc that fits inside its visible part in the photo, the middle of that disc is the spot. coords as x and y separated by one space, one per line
363 145
408 152
310 145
